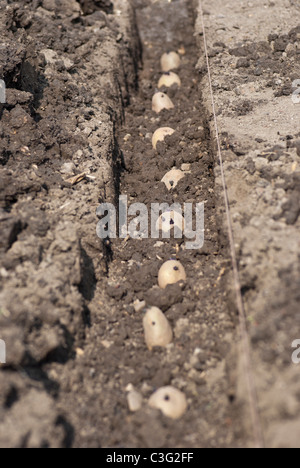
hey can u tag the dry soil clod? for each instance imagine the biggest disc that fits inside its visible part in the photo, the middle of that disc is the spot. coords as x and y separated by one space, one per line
170 401
170 61
160 134
134 400
169 79
171 272
161 101
139 305
157 329
172 178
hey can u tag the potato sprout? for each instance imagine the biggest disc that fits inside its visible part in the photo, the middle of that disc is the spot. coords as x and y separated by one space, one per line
171 272
170 401
170 61
161 101
160 134
169 79
158 331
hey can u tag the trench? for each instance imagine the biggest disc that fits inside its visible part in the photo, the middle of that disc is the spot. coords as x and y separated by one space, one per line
116 357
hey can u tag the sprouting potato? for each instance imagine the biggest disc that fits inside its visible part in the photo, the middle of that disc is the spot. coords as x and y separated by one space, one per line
170 220
161 101
157 329
171 272
160 134
170 61
170 401
169 79
172 178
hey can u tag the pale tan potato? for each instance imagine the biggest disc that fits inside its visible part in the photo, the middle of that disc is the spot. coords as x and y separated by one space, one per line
157 329
169 221
161 101
172 178
170 401
134 400
160 134
171 272
170 61
169 79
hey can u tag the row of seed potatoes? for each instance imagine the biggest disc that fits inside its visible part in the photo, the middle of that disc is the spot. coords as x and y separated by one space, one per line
157 329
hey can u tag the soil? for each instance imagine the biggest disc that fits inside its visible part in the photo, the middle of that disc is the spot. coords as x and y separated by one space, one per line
80 77
254 58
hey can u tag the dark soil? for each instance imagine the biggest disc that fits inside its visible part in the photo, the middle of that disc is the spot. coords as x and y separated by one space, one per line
68 77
